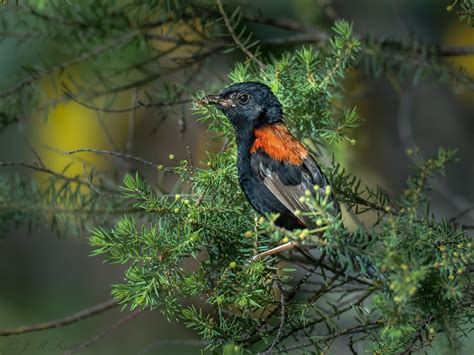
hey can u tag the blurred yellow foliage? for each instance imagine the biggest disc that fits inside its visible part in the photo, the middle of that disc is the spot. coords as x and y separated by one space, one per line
70 125
459 34
181 39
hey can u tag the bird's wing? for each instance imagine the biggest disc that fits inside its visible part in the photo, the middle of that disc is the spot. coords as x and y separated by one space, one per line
289 182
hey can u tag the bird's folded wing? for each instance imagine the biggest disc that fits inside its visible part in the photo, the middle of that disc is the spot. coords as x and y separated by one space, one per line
290 182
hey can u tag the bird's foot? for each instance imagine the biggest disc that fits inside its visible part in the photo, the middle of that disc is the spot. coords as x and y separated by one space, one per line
276 250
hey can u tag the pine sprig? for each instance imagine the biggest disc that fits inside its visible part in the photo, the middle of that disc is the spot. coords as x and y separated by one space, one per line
395 285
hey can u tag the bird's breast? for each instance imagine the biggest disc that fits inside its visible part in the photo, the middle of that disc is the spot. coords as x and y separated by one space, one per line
279 144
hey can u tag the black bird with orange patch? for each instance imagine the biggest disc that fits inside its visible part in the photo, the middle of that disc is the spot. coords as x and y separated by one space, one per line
275 169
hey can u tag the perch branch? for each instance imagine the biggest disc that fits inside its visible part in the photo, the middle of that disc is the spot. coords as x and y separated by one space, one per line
85 313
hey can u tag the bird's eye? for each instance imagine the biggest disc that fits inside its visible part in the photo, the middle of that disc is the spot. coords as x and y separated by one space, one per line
243 99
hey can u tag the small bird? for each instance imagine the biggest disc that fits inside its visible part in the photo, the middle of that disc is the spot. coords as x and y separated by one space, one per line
275 169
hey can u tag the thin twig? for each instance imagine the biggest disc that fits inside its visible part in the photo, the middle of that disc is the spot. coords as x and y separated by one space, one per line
282 320
313 34
85 313
327 317
42 170
139 104
456 51
462 214
102 334
131 124
117 42
94 188
353 330
113 153
350 345
287 24
105 130
235 38
300 38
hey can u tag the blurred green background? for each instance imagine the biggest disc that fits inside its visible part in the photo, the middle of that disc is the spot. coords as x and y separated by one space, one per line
43 277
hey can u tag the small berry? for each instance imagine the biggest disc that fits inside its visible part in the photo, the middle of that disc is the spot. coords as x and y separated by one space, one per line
328 190
303 234
171 157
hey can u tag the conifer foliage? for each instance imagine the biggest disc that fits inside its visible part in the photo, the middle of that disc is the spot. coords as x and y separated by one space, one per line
188 253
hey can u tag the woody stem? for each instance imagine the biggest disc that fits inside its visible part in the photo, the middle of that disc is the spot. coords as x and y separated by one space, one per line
276 250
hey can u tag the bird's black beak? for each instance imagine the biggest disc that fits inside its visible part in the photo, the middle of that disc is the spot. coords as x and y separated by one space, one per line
209 100
215 100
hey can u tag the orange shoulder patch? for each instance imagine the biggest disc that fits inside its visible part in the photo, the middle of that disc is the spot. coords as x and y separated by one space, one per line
279 144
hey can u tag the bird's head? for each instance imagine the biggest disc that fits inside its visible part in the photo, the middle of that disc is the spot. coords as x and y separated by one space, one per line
247 104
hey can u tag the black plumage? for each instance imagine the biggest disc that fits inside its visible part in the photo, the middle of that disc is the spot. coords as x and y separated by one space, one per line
275 169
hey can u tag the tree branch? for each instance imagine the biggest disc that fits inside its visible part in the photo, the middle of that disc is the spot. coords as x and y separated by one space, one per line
85 313
42 170
349 331
282 320
236 38
120 41
113 153
139 104
290 25
311 34
102 334
456 51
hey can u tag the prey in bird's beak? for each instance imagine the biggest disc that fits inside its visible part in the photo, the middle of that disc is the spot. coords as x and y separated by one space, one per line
216 100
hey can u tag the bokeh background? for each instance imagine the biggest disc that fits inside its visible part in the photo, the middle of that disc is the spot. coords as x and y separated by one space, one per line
43 276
